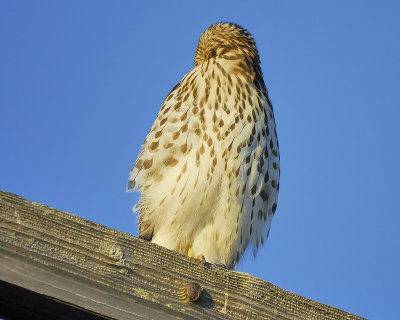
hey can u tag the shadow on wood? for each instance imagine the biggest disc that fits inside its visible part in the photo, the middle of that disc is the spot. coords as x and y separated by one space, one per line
64 267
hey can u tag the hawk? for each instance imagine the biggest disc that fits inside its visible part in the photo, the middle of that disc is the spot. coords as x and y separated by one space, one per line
208 171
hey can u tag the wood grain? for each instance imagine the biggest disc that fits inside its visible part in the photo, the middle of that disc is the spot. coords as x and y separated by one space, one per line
113 275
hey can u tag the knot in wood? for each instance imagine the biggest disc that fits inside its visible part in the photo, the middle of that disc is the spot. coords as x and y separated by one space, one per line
193 291
117 254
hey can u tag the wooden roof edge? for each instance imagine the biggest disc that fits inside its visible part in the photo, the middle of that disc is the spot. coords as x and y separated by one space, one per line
109 274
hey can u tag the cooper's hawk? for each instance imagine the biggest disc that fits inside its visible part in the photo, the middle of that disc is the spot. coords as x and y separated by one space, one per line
209 170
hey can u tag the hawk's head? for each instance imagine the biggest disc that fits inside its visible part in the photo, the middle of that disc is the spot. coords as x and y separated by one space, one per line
224 38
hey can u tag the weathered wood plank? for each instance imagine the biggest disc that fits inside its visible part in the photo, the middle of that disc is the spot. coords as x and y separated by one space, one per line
111 274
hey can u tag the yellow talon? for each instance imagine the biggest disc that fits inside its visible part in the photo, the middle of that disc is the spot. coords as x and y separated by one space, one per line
200 257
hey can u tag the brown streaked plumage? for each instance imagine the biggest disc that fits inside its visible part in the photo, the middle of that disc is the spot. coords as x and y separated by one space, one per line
208 170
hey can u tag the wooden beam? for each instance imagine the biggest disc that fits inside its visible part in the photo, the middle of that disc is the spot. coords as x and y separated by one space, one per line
61 265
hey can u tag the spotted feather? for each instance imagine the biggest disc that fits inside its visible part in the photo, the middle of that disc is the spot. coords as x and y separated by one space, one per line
208 171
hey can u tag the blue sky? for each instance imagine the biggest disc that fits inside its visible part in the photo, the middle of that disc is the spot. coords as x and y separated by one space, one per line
81 83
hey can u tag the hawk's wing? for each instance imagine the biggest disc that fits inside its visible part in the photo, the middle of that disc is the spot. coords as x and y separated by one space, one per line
172 137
